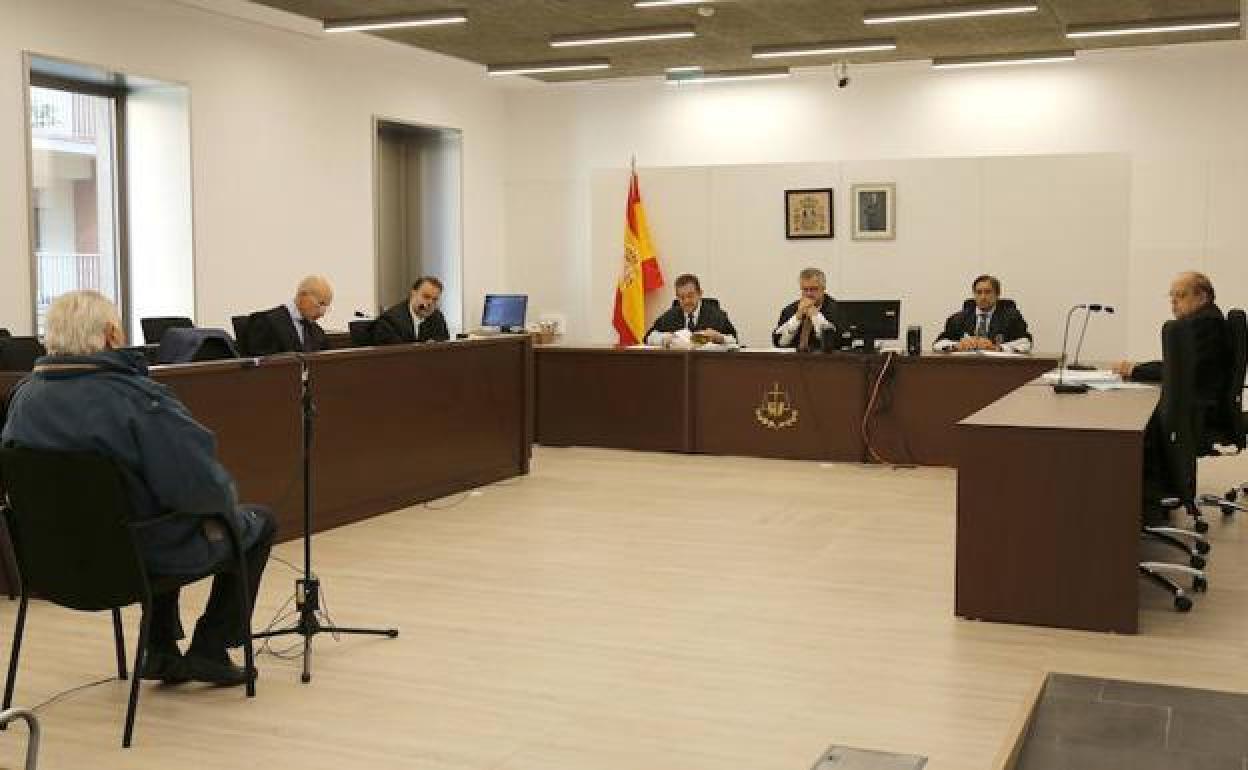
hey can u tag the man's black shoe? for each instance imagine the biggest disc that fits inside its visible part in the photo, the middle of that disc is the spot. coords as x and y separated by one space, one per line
213 670
164 666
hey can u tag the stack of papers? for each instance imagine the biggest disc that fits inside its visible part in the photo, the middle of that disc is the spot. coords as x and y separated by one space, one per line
1079 377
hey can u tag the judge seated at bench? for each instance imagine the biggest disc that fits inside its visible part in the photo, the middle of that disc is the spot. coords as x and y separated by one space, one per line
415 319
691 318
985 322
804 322
293 327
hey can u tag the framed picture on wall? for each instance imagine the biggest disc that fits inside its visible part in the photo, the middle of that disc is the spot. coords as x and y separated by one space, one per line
875 212
808 213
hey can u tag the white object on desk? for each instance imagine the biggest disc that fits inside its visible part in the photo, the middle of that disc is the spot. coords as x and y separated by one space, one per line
1082 377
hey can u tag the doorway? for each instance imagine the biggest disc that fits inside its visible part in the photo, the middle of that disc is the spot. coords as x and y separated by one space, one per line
418 213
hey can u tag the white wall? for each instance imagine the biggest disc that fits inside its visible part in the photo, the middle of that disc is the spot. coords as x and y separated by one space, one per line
281 126
1036 219
1179 115
158 159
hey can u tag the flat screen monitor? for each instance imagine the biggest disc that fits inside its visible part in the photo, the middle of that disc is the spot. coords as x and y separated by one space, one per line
870 320
506 311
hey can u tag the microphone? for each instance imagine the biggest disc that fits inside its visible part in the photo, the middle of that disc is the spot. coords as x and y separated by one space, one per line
1091 308
1061 386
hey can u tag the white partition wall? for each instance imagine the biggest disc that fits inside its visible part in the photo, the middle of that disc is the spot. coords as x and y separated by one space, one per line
1097 180
1053 228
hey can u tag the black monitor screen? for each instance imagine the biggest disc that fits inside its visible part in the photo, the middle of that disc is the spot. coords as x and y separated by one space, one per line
871 319
505 311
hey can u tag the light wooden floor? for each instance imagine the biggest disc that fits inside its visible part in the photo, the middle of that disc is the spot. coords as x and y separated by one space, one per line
626 611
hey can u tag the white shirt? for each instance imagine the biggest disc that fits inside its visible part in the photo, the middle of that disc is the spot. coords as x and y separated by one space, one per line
416 321
789 329
296 317
660 339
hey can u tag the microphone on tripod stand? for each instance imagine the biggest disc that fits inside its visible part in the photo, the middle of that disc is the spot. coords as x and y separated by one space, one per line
1091 308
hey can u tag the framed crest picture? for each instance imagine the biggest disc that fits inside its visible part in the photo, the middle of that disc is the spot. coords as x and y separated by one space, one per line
875 212
808 213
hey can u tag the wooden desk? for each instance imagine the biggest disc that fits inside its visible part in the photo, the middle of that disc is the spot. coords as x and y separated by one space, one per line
820 400
395 426
617 398
403 424
929 394
1049 498
709 402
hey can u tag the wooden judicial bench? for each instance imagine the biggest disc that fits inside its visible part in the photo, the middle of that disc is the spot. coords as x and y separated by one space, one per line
394 426
721 403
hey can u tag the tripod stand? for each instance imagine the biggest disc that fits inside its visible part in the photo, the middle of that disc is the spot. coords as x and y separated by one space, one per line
308 587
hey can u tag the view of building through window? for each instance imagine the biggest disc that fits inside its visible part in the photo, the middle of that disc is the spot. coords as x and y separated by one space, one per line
74 194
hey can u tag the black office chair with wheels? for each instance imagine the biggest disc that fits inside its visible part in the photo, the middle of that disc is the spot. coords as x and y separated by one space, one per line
1174 427
154 328
76 546
18 354
239 322
361 330
1228 436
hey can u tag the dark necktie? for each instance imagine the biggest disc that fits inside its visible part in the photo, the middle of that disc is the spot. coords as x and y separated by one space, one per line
689 322
803 336
981 328
307 327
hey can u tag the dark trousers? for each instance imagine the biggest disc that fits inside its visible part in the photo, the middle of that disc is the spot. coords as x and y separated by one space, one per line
219 626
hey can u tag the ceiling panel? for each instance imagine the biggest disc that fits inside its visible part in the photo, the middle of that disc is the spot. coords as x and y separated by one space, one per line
505 31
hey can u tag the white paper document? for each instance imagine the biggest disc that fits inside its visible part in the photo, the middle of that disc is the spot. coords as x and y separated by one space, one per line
1078 376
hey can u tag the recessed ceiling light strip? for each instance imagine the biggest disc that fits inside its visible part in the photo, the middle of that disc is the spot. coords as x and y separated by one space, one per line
547 67
947 12
1153 26
728 76
675 32
1002 60
828 48
396 22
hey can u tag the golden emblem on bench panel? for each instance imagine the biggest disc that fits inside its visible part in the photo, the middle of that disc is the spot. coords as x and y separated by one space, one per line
776 411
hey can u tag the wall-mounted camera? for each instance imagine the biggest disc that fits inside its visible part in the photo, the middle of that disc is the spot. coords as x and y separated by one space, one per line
842 75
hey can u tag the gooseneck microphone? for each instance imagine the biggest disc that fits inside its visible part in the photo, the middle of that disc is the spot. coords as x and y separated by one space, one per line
1091 308
1061 386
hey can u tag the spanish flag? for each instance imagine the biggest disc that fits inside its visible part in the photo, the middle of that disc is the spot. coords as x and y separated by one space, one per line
641 271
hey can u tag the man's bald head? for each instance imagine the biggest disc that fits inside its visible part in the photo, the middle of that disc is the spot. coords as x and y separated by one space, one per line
1189 293
314 296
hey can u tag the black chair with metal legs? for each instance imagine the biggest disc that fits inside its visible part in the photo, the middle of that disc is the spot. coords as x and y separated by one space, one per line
1229 436
1175 429
75 537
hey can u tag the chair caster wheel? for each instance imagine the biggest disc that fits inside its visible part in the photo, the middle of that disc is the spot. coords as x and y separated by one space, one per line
1201 526
1198 562
1200 585
1182 604
305 678
1202 547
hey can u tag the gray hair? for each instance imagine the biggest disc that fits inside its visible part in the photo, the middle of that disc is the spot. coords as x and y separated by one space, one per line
79 323
813 274
316 285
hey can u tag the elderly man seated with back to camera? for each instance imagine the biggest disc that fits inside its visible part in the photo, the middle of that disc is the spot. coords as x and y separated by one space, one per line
89 395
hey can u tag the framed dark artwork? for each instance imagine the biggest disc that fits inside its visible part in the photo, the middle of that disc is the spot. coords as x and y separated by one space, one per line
875 212
808 213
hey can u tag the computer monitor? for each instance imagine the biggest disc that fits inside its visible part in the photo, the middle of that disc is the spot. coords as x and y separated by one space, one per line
506 311
867 321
